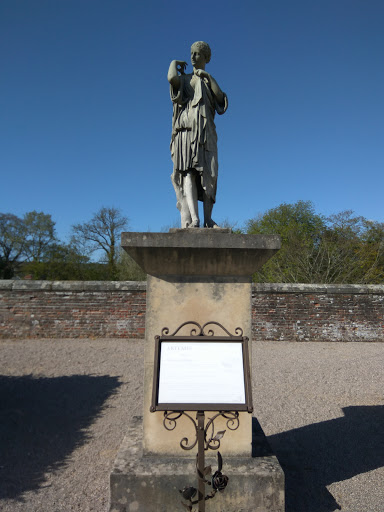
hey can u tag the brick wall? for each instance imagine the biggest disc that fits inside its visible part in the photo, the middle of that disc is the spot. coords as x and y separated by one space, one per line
72 309
69 309
304 312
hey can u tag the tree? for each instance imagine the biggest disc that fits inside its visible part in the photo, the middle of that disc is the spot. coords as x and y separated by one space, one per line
351 250
28 239
129 270
102 232
61 262
373 260
12 242
342 248
229 224
300 229
40 235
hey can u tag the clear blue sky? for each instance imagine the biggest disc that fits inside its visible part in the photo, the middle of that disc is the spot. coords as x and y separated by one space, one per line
86 114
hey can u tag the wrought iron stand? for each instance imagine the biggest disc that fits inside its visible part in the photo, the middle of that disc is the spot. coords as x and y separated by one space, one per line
205 436
204 442
201 458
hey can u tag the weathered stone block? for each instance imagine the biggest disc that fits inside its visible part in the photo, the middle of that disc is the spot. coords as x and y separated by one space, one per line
171 302
152 484
208 252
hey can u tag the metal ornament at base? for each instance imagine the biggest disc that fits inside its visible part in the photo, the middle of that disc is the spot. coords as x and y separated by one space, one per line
218 481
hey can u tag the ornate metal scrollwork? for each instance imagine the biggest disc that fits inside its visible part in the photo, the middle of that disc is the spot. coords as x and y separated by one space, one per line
233 423
199 330
171 417
212 441
238 330
193 332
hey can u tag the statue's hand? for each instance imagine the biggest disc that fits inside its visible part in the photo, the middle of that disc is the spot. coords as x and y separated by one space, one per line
180 66
202 73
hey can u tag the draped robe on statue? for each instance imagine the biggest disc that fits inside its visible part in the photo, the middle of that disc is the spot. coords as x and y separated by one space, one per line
194 139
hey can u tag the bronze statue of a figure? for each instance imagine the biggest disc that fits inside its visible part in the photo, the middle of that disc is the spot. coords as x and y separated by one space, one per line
196 98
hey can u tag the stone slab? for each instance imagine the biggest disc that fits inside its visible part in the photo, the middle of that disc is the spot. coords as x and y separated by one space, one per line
32 285
151 484
200 252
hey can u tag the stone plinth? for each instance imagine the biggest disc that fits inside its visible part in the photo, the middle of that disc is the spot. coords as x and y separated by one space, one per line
152 484
196 275
171 302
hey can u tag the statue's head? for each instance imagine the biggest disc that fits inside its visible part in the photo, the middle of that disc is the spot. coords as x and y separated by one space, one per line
203 48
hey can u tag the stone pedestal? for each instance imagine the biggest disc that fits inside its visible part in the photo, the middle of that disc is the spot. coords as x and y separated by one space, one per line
196 275
151 483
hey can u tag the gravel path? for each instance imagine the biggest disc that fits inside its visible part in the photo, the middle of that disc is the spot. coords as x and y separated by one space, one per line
65 404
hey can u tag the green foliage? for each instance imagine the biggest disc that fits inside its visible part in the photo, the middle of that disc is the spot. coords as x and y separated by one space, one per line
299 228
128 269
61 263
40 236
338 249
12 242
29 239
288 220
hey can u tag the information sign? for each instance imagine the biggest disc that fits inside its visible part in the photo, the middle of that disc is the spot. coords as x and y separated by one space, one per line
193 374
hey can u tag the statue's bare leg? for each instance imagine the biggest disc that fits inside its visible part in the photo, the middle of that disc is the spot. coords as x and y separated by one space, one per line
208 206
191 195
181 203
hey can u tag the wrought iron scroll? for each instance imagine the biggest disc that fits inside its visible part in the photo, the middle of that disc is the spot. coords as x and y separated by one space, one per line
169 422
199 330
211 442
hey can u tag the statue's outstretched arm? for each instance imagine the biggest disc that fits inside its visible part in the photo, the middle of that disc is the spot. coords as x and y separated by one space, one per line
176 67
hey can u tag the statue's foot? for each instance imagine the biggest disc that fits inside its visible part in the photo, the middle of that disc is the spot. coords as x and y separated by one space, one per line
211 224
194 224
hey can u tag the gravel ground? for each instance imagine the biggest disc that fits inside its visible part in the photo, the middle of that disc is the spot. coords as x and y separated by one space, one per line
65 404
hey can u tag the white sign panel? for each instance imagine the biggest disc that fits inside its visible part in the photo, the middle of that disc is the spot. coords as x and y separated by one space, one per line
201 373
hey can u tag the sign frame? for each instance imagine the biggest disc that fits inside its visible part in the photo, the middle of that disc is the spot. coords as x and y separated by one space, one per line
202 338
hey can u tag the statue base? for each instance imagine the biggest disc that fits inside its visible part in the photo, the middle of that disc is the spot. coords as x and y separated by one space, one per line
152 483
199 275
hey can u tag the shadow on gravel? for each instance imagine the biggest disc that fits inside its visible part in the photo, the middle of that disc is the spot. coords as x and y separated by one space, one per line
42 420
331 451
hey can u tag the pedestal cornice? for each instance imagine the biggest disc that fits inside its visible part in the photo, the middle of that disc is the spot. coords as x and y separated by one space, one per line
213 252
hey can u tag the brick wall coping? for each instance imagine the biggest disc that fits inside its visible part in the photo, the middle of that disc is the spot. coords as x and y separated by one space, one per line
353 289
331 289
72 286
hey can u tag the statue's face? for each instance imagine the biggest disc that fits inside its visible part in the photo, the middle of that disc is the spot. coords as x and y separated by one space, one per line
197 58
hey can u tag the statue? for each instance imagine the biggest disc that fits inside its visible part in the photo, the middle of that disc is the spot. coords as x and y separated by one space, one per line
196 98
